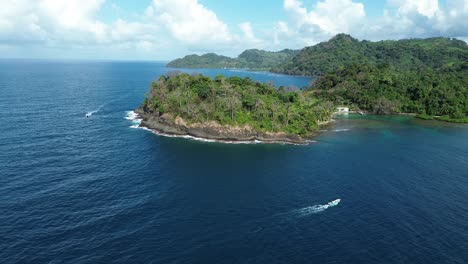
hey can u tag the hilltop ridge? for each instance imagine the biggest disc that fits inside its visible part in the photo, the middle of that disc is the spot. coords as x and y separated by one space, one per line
253 59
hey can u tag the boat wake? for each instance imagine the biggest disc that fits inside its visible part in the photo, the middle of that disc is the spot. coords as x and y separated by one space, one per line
91 113
97 110
282 219
306 211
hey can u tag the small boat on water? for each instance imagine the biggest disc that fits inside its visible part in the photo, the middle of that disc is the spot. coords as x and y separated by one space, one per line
361 113
334 203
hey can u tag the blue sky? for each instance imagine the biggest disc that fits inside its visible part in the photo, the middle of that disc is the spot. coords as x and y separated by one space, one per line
233 12
165 29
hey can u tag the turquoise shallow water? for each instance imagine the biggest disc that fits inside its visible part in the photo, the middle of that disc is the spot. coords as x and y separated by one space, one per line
77 190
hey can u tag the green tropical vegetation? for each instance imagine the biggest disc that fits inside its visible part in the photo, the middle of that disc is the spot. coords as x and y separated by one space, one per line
237 101
253 59
344 50
209 60
427 77
386 89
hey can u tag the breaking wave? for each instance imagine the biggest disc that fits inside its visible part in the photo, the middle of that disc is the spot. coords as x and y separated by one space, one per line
197 138
136 122
135 118
97 110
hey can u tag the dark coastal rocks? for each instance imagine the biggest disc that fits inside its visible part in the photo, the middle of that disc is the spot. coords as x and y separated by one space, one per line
167 124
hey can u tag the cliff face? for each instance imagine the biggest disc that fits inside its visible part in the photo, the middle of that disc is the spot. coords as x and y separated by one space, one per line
167 124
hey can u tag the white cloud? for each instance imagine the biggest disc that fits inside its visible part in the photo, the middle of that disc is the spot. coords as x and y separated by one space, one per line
185 24
281 32
426 18
189 22
400 19
249 35
71 14
337 16
325 19
175 27
51 21
122 30
424 7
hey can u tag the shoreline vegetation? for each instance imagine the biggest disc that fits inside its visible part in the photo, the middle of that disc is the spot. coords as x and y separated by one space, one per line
426 77
232 109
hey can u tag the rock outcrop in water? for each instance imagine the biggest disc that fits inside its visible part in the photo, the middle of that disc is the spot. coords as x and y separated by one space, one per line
167 124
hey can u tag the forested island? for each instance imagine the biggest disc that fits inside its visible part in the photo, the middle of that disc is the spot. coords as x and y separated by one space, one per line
427 77
252 59
232 109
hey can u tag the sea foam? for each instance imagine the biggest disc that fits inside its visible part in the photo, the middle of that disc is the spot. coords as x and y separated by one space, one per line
199 139
135 118
97 110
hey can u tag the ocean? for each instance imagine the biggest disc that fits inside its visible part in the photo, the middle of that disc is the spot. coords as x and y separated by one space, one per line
99 190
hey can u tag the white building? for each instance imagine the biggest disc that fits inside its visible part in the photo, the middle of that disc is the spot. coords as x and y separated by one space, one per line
343 109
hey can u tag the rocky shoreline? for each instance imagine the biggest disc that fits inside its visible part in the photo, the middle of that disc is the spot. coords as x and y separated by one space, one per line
167 125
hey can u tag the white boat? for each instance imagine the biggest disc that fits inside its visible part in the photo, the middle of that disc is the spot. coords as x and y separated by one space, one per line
335 202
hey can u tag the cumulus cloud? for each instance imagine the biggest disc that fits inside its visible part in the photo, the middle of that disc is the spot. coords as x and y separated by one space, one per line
425 18
424 7
23 21
400 19
324 19
189 22
74 23
248 32
281 31
182 26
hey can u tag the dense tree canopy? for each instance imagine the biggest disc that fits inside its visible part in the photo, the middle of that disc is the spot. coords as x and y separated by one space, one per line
424 76
385 89
251 59
237 101
344 50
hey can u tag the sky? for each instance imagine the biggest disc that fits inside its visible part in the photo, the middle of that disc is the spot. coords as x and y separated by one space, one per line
167 29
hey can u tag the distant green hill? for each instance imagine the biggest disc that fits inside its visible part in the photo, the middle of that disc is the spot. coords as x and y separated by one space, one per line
343 50
428 77
252 59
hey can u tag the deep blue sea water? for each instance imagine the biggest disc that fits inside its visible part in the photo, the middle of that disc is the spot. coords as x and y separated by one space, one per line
78 190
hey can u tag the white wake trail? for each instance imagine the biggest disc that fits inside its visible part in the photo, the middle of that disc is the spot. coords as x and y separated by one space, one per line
297 213
97 110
